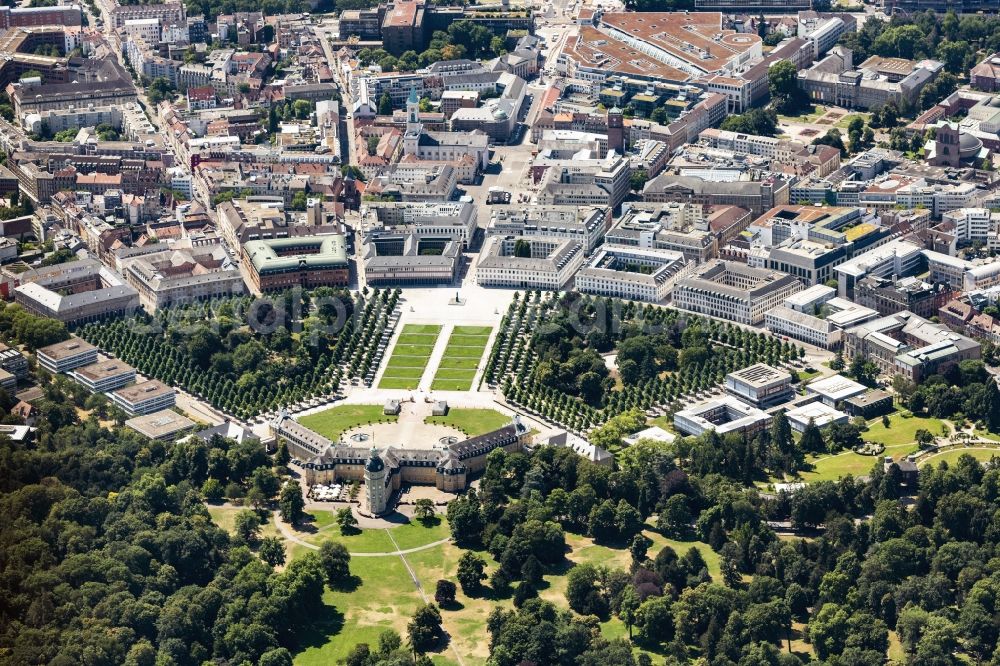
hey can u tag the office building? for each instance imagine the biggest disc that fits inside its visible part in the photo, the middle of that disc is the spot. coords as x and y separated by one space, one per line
76 292
144 397
13 361
440 219
816 316
183 275
876 82
631 273
67 355
305 261
887 296
164 426
694 230
817 413
723 415
755 196
536 262
834 390
104 376
869 405
586 224
972 224
760 385
733 291
656 46
986 75
403 27
411 258
909 345
897 257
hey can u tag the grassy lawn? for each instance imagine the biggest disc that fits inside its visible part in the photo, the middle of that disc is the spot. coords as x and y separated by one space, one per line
901 430
466 622
409 535
409 357
846 120
811 113
899 440
225 518
452 384
806 376
416 338
457 373
461 358
416 534
422 328
473 330
398 383
468 340
951 456
331 423
803 649
585 551
403 372
896 653
460 363
363 541
831 468
412 351
320 519
664 422
471 421
386 597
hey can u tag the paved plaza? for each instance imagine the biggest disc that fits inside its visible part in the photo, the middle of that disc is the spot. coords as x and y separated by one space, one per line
409 431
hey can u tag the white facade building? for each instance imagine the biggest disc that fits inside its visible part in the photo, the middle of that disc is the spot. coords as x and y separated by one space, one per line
723 415
549 263
631 273
734 291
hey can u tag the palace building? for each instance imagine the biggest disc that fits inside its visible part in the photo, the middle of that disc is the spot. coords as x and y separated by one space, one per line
449 468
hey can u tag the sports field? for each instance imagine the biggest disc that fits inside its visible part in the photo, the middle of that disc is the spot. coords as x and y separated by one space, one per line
461 358
409 357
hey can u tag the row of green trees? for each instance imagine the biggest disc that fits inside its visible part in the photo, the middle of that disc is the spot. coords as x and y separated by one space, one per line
206 349
555 369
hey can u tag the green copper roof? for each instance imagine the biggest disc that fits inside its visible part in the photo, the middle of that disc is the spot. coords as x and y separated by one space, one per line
278 255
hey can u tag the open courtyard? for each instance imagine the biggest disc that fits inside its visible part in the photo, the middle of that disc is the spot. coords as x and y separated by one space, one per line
414 427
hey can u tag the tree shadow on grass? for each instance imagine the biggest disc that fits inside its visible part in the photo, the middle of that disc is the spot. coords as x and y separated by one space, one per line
329 622
433 521
349 584
488 593
559 568
306 525
452 606
442 646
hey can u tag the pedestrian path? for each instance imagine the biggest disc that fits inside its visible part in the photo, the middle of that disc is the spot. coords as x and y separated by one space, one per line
287 533
435 359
